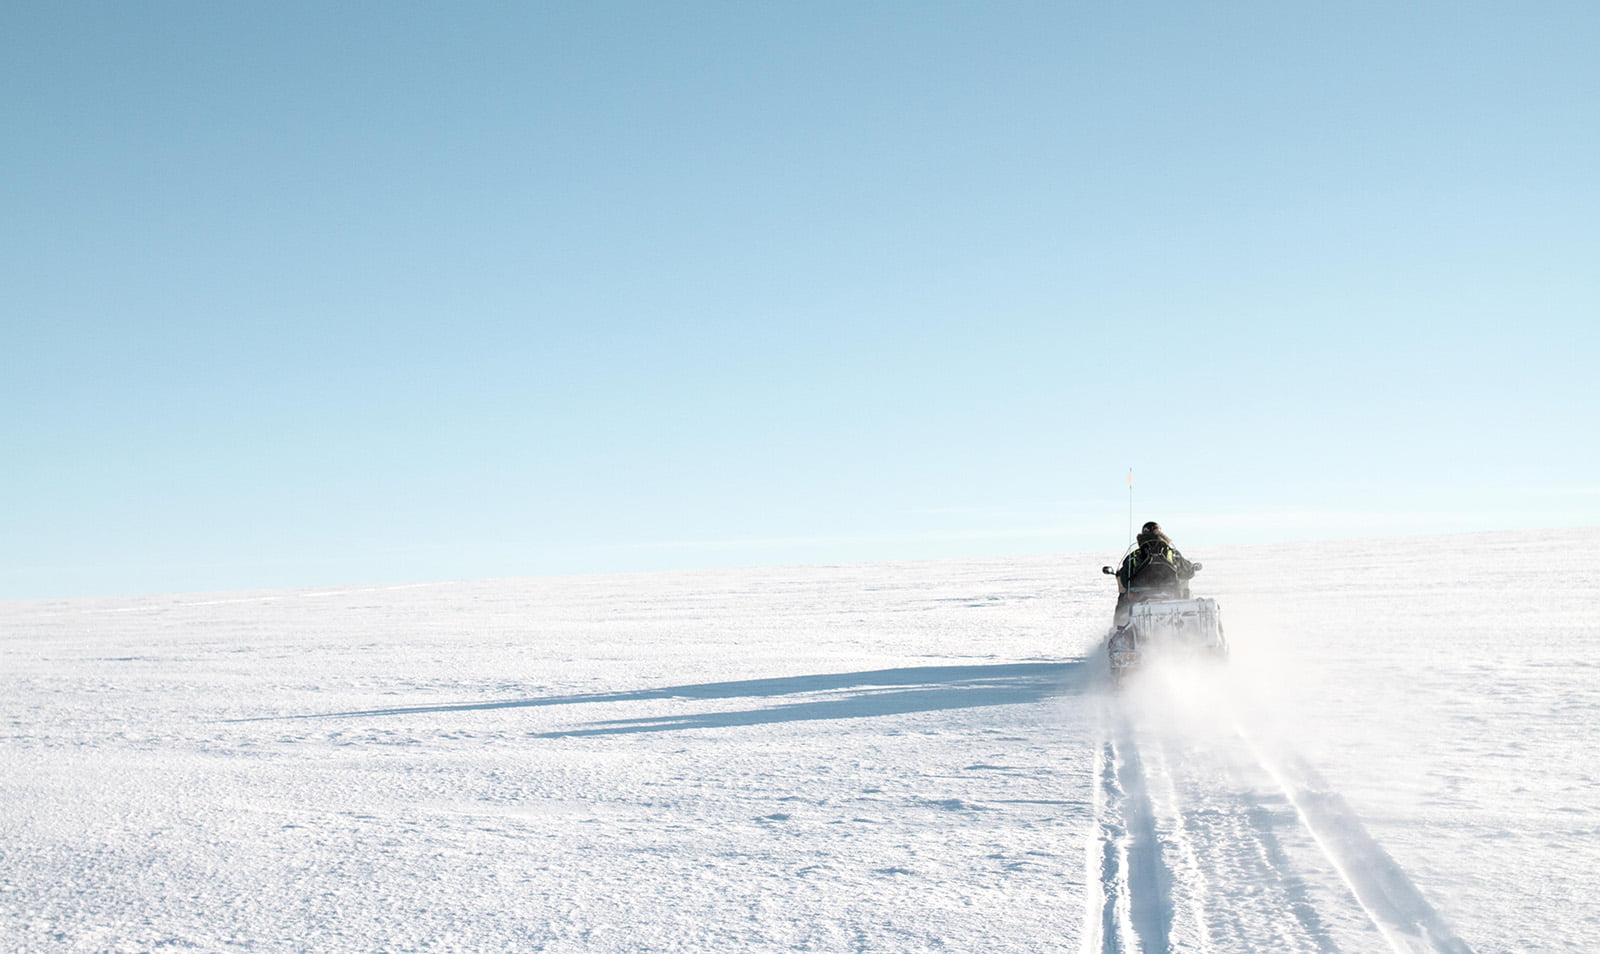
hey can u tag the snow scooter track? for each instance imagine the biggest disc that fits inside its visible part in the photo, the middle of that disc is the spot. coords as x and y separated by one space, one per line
1209 838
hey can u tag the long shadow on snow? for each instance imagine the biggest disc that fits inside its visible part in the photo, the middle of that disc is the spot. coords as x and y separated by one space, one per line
873 693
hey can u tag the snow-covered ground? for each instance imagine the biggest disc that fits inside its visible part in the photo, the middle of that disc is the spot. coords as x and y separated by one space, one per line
892 757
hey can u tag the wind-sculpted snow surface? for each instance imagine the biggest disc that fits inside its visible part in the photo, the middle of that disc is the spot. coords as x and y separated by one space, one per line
830 759
907 757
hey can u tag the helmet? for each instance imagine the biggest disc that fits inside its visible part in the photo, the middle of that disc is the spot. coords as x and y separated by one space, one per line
1151 533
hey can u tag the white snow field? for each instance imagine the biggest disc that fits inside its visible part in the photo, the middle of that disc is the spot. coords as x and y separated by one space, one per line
1399 757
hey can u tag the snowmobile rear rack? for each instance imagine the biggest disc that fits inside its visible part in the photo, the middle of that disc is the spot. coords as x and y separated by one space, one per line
1168 629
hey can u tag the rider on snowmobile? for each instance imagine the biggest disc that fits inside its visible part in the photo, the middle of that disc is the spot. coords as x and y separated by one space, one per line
1154 569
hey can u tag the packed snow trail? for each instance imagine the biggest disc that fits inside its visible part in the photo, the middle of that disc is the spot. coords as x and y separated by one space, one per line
1210 837
1386 893
1135 904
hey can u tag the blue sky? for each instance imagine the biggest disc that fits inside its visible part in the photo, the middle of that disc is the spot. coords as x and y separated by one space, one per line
307 293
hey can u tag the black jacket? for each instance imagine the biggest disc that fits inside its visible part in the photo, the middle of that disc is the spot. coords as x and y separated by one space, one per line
1155 565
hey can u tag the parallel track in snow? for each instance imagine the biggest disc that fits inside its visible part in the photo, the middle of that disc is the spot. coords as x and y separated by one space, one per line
1230 845
1132 909
1397 908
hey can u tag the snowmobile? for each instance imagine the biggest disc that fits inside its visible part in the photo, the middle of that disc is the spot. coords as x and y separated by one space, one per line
1160 619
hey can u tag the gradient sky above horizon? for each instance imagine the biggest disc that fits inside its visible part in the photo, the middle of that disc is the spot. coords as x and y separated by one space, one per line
306 293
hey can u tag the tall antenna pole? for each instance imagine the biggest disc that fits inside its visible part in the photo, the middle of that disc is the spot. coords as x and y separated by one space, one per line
1130 506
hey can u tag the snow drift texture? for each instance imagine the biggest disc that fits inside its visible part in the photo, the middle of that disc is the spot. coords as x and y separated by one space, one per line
899 757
